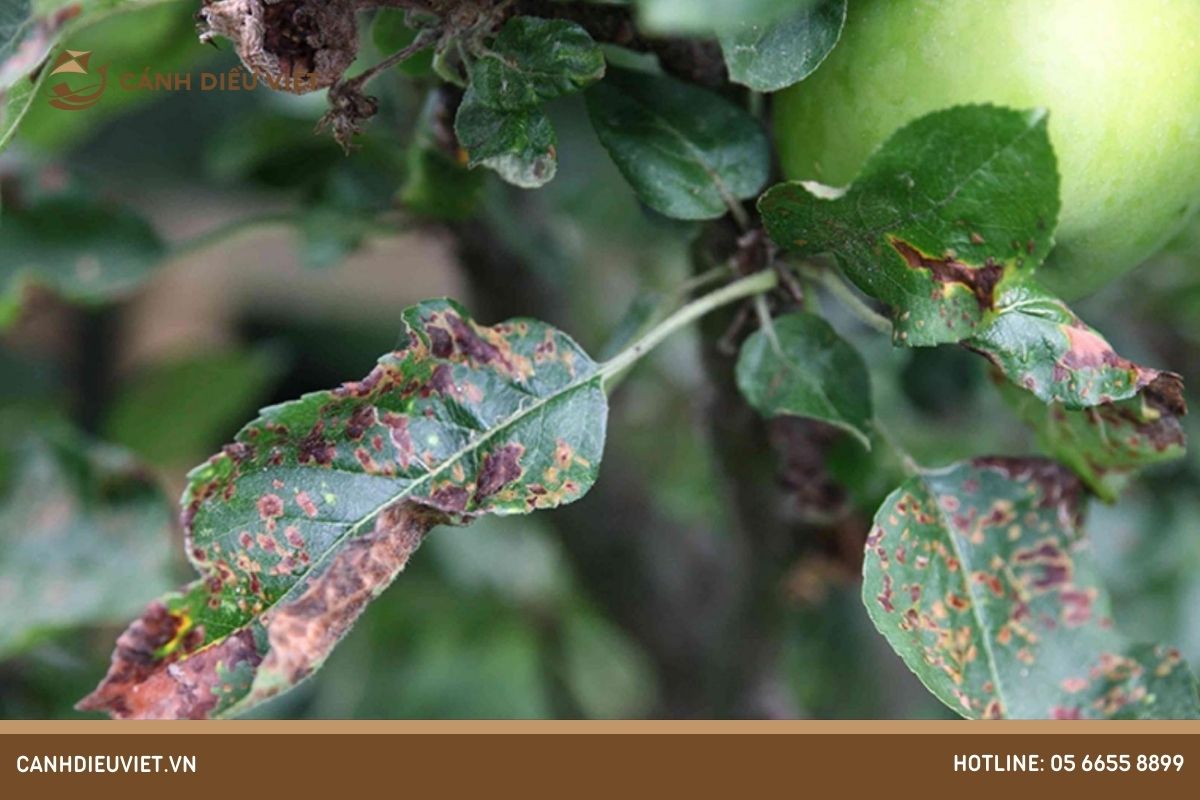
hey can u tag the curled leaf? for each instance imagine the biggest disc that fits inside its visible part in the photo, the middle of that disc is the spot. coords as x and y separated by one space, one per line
687 152
1039 344
771 56
1106 445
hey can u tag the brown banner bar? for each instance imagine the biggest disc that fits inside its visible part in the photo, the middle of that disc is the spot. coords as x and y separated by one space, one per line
44 760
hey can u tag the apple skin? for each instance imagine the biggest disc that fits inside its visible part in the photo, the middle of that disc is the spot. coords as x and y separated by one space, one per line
1121 79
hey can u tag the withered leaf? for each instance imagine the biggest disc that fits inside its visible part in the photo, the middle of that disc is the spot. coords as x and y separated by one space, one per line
980 578
319 503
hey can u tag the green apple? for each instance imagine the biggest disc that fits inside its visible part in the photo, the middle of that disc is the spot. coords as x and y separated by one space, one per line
1121 79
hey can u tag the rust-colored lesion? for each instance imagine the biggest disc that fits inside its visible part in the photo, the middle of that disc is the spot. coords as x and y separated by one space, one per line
303 632
161 668
158 672
981 281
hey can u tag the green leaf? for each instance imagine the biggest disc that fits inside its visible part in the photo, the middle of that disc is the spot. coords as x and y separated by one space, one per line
535 60
706 16
1107 444
318 504
208 395
1038 343
85 250
768 57
85 538
518 145
803 368
981 579
688 153
955 207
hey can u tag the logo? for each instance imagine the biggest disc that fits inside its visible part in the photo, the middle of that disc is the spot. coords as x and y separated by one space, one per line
68 98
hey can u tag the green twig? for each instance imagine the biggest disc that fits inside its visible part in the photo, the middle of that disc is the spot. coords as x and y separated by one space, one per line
755 284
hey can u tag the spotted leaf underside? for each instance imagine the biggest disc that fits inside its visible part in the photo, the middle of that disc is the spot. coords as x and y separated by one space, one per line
319 503
979 576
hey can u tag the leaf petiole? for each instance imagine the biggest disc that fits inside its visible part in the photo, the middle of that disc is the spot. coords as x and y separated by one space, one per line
840 289
756 284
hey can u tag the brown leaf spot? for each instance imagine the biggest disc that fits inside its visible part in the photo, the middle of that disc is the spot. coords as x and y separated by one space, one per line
141 684
306 504
302 633
314 447
500 467
270 507
359 422
982 281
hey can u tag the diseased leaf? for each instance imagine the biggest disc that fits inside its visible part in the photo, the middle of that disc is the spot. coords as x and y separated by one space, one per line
319 503
1107 444
980 578
16 18
535 60
687 153
1038 343
804 369
84 250
953 209
500 122
85 537
519 145
769 56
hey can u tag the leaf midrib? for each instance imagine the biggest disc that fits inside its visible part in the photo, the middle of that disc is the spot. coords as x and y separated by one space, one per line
595 376
983 629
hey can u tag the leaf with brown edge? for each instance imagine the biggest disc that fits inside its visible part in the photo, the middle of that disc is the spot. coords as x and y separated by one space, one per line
980 578
953 208
319 503
1039 344
1107 445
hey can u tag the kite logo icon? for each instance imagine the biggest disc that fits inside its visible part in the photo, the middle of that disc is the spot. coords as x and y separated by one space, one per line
75 62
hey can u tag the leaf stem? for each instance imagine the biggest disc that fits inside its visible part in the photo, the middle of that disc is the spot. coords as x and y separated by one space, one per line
755 284
909 464
838 287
